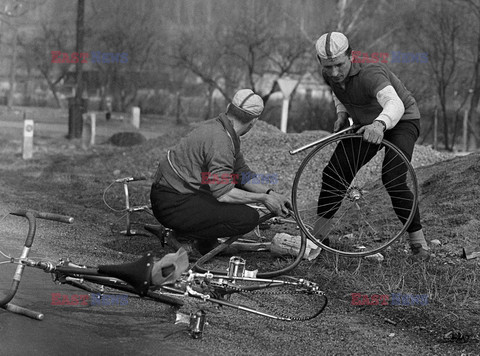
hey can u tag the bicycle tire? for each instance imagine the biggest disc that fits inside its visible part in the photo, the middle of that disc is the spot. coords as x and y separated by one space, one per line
199 264
364 222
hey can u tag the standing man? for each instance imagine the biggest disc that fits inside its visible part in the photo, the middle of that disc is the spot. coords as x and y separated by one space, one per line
203 184
375 98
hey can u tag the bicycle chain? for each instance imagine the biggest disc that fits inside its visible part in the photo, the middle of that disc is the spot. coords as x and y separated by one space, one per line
276 312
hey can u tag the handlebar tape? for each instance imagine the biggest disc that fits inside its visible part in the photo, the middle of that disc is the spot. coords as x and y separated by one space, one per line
316 143
130 179
47 216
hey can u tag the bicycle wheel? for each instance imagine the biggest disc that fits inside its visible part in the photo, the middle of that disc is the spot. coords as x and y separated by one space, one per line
359 197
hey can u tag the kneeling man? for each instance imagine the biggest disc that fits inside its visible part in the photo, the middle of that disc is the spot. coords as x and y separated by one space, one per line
187 197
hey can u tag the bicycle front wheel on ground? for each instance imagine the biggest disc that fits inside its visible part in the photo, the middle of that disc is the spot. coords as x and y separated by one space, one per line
354 198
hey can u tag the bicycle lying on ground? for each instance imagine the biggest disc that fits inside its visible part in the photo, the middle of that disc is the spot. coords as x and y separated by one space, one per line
285 298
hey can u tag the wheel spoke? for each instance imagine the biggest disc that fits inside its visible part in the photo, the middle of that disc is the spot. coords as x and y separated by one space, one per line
345 181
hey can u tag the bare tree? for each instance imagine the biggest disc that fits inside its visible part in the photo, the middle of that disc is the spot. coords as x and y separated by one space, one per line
13 68
350 13
257 48
242 52
436 30
9 13
129 31
18 8
473 13
75 123
354 18
37 54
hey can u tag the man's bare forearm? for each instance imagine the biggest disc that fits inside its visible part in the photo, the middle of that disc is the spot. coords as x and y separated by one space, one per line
255 187
240 196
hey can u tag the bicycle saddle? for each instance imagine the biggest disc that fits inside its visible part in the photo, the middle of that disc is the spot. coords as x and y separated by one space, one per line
137 274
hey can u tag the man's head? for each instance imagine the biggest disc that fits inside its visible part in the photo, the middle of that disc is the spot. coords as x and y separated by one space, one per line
245 108
334 54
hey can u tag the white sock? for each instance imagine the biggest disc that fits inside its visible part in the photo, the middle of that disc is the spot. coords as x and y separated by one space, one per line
417 237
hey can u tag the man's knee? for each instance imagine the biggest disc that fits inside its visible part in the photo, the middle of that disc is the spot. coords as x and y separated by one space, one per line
245 220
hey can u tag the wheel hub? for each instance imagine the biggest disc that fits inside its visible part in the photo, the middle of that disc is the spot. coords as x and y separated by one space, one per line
354 194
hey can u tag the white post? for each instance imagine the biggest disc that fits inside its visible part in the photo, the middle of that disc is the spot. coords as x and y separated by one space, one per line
286 86
89 130
136 117
93 120
435 129
283 124
86 131
28 126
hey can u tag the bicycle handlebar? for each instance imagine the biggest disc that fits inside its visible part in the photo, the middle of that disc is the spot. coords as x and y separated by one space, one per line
315 143
47 216
31 215
130 179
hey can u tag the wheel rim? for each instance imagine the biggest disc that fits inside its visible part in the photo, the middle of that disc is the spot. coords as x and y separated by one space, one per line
366 221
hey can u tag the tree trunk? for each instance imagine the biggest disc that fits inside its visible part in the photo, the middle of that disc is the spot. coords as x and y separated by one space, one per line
208 112
76 119
473 117
26 88
445 122
53 89
13 68
341 9
179 110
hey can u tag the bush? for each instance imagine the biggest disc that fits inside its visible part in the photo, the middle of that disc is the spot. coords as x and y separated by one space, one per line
126 139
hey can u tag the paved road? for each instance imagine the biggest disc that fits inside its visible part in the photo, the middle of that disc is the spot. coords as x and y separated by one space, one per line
84 330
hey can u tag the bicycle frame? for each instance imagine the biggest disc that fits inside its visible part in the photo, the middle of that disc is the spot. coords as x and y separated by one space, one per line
31 216
223 280
130 210
138 281
68 274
